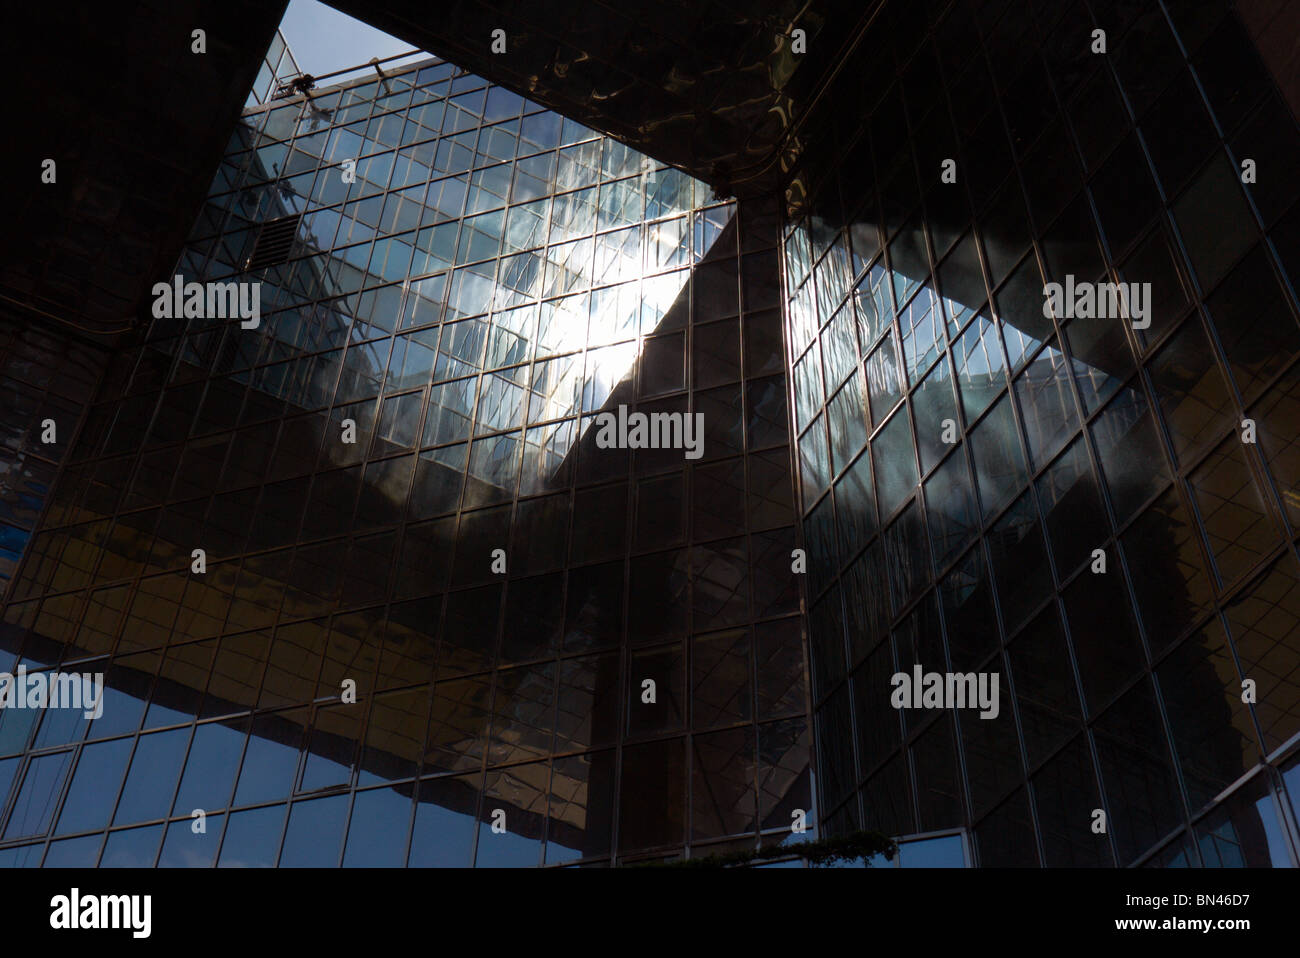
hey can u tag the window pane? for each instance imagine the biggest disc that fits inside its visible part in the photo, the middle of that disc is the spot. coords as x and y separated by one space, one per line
315 833
94 786
381 821
445 823
184 848
152 779
1245 832
946 852
40 790
132 848
252 838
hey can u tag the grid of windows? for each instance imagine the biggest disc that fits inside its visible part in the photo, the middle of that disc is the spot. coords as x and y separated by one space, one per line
916 307
490 278
472 279
46 383
278 65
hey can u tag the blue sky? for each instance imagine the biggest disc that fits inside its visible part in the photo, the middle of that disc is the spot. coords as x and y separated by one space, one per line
324 40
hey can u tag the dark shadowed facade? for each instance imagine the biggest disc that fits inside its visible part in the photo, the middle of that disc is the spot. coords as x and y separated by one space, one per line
680 216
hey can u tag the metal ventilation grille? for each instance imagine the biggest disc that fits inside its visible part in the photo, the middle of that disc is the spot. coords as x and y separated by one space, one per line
274 242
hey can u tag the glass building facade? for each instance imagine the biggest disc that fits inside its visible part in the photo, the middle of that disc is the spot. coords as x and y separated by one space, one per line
916 302
433 621
44 379
278 66
489 278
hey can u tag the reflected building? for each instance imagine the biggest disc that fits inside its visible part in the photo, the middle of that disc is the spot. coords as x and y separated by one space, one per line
988 486
442 318
397 488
